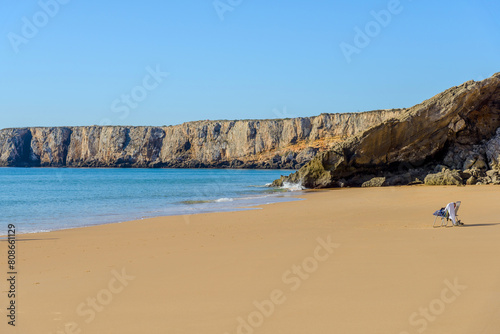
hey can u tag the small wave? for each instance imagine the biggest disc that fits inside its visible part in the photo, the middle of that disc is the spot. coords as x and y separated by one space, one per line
36 231
220 200
292 186
223 199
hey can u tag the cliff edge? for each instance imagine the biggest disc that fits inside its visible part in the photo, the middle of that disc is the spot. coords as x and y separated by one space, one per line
452 138
276 143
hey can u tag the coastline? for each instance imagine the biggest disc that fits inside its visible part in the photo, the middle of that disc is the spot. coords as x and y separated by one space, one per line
66 198
291 196
343 260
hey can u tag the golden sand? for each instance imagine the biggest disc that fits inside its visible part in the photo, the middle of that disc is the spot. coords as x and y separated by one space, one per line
341 261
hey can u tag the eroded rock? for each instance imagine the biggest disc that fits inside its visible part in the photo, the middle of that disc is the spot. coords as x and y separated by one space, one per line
444 178
450 129
274 143
493 151
374 182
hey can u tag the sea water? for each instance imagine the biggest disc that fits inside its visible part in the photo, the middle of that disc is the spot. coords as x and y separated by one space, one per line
47 199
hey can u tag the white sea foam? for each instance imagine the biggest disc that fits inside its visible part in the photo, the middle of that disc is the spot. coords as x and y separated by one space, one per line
37 231
292 186
224 199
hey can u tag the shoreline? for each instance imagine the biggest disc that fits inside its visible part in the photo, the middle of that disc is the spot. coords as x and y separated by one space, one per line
66 198
357 260
290 198
293 197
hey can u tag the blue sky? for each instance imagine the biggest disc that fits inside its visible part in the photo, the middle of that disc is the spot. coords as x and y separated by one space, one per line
91 62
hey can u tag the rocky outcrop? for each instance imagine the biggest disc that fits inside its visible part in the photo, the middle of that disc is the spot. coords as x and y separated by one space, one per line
15 147
374 182
445 177
280 143
456 129
493 151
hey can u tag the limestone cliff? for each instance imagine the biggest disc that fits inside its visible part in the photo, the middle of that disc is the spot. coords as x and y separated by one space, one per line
452 138
280 143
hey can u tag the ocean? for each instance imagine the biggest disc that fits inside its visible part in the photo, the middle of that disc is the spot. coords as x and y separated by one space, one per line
47 199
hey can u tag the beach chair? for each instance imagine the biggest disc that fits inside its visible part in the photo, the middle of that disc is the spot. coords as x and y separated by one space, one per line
450 212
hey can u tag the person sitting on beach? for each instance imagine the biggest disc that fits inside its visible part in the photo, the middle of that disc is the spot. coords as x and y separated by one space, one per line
451 210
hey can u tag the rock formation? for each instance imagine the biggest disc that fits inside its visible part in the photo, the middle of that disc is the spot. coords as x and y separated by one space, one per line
280 143
452 138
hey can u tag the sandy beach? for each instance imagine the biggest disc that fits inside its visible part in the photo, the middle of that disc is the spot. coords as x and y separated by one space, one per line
340 261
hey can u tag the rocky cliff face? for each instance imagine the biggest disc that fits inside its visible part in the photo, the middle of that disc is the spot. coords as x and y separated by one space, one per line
285 143
452 138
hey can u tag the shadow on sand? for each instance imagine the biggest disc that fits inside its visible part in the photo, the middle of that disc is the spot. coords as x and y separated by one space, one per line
17 239
475 225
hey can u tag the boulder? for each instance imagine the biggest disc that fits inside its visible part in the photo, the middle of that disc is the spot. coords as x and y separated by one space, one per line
445 177
494 176
471 180
475 160
374 182
474 171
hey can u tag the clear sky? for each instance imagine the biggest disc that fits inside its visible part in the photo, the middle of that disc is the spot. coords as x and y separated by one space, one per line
84 62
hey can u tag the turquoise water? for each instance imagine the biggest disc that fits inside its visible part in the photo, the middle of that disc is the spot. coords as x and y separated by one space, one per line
46 199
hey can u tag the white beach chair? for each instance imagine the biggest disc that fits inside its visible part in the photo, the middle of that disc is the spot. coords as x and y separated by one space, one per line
450 212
